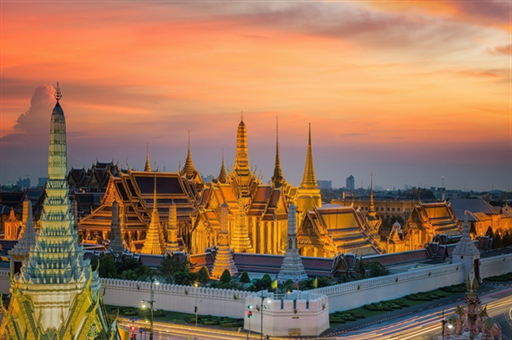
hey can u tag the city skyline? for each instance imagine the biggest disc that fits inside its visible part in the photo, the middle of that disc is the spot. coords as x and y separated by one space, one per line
409 91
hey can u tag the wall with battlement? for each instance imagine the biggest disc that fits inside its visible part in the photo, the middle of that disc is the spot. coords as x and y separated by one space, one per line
358 293
341 297
297 313
496 265
221 302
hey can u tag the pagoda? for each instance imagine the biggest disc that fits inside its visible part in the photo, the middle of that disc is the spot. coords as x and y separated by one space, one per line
172 230
56 295
27 241
308 195
292 267
154 243
116 237
224 258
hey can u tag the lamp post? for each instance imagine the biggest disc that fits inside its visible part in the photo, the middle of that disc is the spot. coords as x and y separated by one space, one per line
261 311
196 285
151 301
443 322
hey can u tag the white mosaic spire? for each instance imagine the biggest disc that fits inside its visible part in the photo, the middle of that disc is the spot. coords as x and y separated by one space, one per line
55 271
292 266
465 245
116 238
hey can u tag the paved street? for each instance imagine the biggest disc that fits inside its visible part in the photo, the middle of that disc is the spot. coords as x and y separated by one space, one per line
422 324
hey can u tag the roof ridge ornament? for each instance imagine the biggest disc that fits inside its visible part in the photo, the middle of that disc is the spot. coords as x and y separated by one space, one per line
58 94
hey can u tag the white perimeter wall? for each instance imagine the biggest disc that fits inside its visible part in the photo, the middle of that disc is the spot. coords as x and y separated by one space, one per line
358 293
344 296
496 265
220 302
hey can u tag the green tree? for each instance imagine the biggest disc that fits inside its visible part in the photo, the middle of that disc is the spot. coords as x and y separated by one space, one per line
244 278
375 269
225 278
489 232
265 282
107 267
203 276
176 269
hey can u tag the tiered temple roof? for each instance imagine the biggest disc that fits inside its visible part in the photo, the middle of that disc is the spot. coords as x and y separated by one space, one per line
436 218
133 191
337 229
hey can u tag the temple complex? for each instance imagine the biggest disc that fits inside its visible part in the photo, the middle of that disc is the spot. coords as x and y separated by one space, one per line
56 295
189 212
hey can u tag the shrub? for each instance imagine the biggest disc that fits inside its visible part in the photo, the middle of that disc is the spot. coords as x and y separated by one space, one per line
203 276
225 277
244 278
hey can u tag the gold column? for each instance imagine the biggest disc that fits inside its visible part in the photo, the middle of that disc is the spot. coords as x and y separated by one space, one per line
262 237
274 239
269 237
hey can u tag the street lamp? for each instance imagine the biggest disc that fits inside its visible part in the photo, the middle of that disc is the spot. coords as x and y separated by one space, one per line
151 302
261 311
196 309
443 322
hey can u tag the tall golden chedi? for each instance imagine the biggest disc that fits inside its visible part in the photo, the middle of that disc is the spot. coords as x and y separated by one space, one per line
242 176
56 295
308 196
154 243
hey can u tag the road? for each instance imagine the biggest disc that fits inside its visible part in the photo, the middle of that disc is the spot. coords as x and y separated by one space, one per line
423 325
426 325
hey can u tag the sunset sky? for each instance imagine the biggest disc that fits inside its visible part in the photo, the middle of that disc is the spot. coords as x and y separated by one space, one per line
411 91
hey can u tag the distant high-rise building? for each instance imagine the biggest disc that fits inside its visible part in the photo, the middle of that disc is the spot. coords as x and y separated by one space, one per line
324 184
41 181
24 183
351 183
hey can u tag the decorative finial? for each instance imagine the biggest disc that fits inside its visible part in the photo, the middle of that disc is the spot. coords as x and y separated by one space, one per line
58 94
242 116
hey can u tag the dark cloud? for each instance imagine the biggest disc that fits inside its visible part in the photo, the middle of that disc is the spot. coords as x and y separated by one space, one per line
35 120
488 12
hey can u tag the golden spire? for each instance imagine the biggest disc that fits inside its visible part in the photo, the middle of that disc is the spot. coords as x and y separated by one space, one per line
189 169
309 179
242 154
147 167
372 211
278 178
222 176
154 243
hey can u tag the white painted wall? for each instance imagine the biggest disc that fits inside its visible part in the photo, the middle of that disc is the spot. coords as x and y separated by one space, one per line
220 302
310 317
358 293
497 265
345 296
